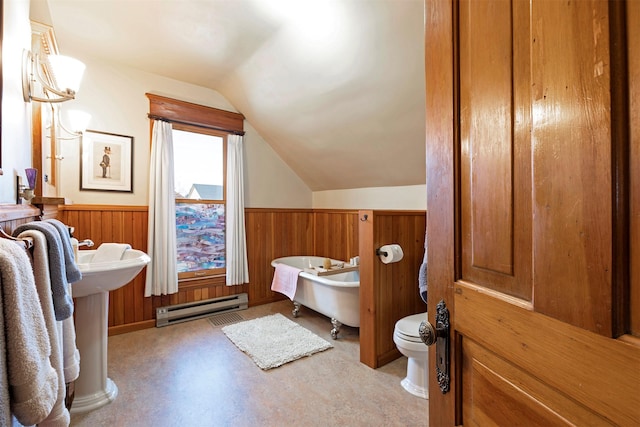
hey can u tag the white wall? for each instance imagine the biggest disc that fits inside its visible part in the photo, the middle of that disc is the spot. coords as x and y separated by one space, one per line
115 98
269 182
16 114
412 197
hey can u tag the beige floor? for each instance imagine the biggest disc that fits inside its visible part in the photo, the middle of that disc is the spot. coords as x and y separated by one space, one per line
190 374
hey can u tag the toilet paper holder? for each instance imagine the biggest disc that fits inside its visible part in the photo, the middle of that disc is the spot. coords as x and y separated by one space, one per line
379 252
390 253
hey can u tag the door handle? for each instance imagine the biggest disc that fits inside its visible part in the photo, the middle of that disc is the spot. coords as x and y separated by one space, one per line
440 336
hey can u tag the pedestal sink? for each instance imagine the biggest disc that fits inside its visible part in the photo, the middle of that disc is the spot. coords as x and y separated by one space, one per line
93 388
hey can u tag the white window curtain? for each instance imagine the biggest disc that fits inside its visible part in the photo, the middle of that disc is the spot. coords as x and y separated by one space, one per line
237 265
162 275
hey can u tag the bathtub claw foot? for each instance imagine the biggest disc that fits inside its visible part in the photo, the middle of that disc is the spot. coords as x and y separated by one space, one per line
336 328
296 309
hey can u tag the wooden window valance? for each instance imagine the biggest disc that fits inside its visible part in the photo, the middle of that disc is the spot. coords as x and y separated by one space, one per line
187 113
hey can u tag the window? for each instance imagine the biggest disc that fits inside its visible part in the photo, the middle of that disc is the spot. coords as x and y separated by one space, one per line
198 164
199 146
199 169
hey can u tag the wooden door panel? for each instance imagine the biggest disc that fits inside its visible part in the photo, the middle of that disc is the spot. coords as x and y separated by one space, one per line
572 172
497 393
486 55
571 164
566 361
494 138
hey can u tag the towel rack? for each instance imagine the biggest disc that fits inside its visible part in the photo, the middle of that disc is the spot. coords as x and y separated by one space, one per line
27 241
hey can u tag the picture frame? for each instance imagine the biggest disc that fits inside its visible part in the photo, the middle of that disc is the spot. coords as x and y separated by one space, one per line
106 162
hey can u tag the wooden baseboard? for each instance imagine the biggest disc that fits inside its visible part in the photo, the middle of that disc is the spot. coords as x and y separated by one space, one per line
132 327
266 301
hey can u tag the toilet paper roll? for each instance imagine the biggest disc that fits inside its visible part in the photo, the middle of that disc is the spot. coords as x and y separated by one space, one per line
390 253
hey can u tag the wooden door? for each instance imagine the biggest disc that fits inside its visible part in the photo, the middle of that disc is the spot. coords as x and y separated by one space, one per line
533 182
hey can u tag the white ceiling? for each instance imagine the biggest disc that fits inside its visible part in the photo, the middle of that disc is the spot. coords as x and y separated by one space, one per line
336 87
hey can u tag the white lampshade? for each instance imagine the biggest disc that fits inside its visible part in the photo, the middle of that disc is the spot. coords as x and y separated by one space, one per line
67 72
79 120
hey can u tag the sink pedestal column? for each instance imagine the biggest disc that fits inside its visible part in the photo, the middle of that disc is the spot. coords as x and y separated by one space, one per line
92 388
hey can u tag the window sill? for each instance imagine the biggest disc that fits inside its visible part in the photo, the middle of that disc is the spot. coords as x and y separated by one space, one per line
199 282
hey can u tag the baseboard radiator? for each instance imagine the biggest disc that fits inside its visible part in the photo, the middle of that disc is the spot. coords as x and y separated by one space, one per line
195 310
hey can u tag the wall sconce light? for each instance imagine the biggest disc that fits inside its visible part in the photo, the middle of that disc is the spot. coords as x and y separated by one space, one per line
79 121
59 77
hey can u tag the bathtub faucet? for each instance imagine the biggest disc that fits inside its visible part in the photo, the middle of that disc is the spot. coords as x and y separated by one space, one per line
86 242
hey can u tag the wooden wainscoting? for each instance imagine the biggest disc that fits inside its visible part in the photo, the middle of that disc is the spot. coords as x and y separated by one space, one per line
128 309
271 233
336 234
12 216
274 233
388 292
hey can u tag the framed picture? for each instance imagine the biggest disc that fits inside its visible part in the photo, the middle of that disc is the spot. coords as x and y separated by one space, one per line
106 162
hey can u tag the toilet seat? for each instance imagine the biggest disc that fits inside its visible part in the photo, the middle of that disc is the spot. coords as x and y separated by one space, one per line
408 338
408 327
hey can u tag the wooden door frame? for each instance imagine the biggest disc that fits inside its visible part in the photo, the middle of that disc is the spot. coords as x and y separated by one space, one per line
441 90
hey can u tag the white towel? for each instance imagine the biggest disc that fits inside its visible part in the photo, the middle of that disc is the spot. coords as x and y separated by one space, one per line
70 352
285 280
110 252
5 409
59 415
422 274
33 383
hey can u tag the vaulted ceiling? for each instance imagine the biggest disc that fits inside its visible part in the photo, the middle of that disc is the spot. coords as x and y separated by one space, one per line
336 87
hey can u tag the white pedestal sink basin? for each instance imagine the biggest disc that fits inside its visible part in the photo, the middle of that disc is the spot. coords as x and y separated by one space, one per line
93 388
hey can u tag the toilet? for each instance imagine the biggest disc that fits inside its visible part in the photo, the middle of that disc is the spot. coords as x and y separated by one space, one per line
407 339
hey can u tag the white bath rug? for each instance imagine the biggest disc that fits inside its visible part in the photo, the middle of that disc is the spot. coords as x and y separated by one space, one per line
274 340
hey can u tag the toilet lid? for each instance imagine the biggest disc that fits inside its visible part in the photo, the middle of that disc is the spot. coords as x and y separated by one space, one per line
408 327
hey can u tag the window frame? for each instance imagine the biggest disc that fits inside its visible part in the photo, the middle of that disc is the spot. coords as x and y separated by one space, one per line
181 113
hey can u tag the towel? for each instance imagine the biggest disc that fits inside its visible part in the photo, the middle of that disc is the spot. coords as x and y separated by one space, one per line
62 300
285 280
5 409
110 252
59 415
70 352
33 383
422 274
73 272
422 281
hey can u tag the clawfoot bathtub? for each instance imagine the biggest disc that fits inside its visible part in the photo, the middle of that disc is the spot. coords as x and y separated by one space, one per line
336 296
